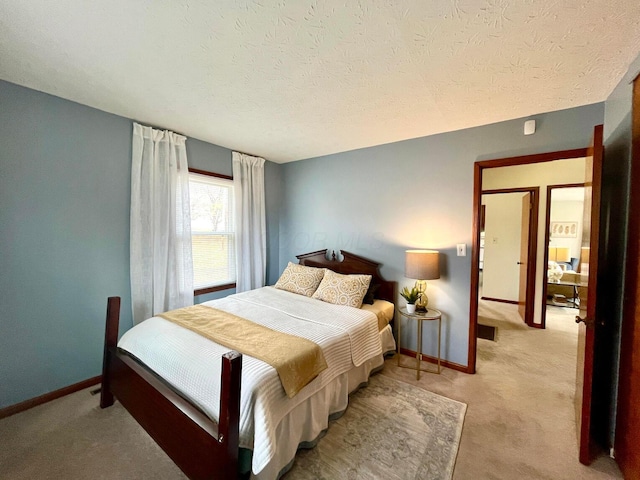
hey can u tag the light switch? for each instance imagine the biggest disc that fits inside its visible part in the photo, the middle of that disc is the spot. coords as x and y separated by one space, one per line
462 249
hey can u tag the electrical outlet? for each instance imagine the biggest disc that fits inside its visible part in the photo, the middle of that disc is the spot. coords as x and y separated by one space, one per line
462 249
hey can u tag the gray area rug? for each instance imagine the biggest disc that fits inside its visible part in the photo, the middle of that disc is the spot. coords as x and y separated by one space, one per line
391 430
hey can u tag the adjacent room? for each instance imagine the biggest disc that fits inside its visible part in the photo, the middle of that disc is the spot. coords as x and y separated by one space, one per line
309 239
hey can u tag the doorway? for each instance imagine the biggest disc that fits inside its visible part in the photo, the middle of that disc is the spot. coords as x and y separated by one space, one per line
513 174
586 319
563 237
509 247
496 168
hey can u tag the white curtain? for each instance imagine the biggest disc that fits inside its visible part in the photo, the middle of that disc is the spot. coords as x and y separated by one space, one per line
251 227
161 264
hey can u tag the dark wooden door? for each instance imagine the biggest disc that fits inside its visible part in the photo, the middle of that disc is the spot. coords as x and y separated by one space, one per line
523 262
627 443
587 293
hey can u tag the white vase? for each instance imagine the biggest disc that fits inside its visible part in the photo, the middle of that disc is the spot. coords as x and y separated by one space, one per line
411 308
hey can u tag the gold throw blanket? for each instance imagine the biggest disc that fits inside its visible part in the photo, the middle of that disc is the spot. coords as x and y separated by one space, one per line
297 360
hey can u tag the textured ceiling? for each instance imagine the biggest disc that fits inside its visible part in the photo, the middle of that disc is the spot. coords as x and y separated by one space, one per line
295 79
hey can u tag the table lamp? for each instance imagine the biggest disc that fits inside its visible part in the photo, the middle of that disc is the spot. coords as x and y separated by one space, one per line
422 265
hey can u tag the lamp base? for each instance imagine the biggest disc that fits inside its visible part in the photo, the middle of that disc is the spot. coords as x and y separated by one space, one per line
423 300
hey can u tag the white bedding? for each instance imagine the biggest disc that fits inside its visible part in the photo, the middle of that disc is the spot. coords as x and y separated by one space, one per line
191 363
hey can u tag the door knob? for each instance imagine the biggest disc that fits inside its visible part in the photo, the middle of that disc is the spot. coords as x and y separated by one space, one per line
520 263
587 321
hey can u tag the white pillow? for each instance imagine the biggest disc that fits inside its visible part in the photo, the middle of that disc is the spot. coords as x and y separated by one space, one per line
343 289
300 279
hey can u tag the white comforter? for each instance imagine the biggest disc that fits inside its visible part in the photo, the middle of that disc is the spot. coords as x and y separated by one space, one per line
192 363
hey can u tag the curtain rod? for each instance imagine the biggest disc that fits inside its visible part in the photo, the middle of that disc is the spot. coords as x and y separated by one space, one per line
250 154
157 127
187 136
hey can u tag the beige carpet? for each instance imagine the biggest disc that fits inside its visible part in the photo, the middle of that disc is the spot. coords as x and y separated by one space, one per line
73 438
391 430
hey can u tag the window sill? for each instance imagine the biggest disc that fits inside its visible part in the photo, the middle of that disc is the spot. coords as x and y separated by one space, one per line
217 288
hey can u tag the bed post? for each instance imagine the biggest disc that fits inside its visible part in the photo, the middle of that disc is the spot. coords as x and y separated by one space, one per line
229 424
110 341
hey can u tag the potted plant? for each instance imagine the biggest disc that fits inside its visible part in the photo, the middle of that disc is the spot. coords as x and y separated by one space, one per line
411 296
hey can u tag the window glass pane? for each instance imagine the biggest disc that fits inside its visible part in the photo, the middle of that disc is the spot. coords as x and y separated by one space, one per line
212 230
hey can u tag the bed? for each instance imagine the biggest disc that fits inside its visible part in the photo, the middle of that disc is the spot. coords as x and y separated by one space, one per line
253 429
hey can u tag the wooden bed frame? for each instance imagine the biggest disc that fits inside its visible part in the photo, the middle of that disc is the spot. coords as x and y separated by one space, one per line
200 447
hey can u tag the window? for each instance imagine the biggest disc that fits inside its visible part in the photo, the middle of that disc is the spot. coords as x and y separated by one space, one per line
212 232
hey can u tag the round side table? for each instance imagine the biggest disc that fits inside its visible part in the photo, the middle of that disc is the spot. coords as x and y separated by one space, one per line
428 315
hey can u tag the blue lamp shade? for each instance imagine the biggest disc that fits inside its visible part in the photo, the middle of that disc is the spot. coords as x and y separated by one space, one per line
422 264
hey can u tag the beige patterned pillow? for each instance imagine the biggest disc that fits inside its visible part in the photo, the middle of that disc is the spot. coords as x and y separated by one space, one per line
300 279
343 289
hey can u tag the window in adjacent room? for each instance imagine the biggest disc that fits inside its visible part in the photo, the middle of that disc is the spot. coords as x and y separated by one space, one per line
212 232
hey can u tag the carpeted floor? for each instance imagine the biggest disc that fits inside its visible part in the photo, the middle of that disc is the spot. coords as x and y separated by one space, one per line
73 438
519 422
391 430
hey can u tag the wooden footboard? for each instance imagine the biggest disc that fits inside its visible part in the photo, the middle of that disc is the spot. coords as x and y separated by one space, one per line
200 447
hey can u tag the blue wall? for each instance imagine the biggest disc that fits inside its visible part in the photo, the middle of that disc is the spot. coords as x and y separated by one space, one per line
379 201
64 235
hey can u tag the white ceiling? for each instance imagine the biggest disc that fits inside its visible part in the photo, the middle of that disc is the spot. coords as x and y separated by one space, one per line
296 79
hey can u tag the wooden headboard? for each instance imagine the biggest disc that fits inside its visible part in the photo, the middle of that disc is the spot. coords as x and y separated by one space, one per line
351 264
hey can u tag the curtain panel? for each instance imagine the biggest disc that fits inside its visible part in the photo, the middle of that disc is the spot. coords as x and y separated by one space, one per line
251 226
161 264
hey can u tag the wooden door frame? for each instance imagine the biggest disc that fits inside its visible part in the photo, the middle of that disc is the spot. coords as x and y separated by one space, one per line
532 242
478 168
547 230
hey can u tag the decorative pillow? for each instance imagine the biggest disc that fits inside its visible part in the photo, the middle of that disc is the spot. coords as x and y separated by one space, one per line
370 296
300 279
343 289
